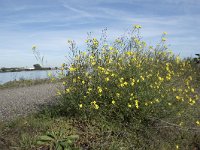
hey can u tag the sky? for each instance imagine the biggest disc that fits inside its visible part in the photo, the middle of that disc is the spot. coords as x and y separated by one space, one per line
48 24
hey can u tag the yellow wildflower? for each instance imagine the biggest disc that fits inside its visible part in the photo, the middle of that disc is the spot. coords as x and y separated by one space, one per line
71 69
58 93
107 79
93 63
178 97
192 90
129 105
113 102
99 89
118 95
165 33
67 90
80 105
34 47
136 104
198 122
95 105
137 26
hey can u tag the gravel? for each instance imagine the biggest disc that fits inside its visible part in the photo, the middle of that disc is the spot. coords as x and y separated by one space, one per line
20 101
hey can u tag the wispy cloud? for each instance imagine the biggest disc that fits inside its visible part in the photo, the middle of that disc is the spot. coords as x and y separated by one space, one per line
49 24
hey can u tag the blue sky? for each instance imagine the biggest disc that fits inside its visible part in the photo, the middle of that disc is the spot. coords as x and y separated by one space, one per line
48 24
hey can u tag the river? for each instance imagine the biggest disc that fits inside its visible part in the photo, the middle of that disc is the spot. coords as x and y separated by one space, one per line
37 74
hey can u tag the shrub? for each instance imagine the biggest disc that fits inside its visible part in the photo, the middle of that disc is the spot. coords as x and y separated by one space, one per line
129 82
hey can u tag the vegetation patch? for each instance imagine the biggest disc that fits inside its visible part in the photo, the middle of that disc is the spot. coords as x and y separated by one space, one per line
23 83
120 95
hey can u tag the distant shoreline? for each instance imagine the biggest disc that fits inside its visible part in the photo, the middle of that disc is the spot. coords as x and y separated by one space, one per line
4 70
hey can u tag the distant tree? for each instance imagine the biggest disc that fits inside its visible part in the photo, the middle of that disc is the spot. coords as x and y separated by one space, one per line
3 69
37 66
197 60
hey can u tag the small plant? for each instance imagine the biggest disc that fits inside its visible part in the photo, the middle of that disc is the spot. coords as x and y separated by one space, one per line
197 59
58 141
38 56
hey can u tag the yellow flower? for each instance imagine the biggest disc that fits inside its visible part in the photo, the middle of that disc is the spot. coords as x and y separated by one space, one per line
118 95
58 93
177 146
157 100
93 63
168 77
94 102
112 75
164 39
67 90
121 79
165 33
136 104
80 105
181 123
89 89
84 53
198 122
71 69
106 72
50 74
91 57
173 89
125 83
178 97
111 48
122 85
83 82
107 79
34 47
95 105
99 89
142 78
190 78
160 78
132 81
74 80
113 102
63 65
192 102
137 26
129 105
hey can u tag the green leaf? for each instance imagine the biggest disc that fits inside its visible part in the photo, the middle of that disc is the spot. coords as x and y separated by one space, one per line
73 137
69 142
45 138
52 135
58 146
41 143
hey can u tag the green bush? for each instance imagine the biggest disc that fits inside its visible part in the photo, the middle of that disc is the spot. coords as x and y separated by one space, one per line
130 83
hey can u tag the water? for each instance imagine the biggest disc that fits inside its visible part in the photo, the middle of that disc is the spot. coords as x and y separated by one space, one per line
37 74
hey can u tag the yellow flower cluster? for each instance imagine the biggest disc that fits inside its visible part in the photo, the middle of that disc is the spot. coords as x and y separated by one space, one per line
130 76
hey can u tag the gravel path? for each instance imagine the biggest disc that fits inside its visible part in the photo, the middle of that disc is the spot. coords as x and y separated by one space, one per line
24 100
